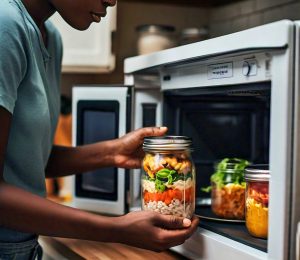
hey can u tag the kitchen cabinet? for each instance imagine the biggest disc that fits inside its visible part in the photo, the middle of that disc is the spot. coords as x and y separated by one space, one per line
88 51
203 3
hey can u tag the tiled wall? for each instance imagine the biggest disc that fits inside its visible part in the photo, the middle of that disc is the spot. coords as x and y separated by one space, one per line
250 13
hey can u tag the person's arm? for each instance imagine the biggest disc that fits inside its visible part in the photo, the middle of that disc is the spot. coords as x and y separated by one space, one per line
124 152
23 211
26 212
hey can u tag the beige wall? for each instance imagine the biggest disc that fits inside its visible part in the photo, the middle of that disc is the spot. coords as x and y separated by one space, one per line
129 16
250 13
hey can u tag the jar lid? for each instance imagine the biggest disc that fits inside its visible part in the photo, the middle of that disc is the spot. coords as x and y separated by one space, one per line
257 172
167 143
154 28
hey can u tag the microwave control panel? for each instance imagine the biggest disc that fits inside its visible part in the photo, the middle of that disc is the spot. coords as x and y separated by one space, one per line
215 72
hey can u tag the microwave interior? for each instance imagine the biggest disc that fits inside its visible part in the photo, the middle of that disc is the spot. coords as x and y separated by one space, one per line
224 122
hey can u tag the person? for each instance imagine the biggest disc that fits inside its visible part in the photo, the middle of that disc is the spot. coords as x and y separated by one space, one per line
30 63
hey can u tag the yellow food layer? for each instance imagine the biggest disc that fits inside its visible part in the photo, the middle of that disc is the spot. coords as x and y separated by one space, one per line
256 218
153 163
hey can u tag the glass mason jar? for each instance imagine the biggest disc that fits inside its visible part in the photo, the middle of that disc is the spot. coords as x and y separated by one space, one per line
168 179
228 189
257 200
155 37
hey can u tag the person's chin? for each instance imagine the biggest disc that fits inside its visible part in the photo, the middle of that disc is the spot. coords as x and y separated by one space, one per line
83 27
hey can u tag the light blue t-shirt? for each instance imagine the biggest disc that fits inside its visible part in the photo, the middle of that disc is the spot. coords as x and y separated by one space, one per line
30 91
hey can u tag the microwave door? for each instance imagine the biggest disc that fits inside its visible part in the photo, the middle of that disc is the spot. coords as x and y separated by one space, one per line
147 112
101 113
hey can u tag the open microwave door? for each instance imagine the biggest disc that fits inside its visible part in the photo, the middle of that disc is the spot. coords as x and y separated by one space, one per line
101 113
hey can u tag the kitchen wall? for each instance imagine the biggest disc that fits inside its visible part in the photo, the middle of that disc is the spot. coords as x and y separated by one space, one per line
246 14
221 20
129 15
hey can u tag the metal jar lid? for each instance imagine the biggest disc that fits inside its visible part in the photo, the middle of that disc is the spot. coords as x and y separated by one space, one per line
155 28
167 143
257 172
194 32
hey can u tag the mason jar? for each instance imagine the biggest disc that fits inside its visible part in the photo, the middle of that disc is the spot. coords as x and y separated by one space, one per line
168 179
228 189
155 37
257 200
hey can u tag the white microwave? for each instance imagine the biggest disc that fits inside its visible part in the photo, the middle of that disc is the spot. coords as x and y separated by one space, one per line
105 113
235 95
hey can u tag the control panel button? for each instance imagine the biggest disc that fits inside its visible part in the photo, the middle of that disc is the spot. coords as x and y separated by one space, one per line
249 68
246 68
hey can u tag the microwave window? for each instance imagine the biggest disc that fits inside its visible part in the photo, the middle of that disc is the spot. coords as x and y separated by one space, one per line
99 126
97 120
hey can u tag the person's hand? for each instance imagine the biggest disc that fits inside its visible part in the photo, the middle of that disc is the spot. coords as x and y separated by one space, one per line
128 151
154 231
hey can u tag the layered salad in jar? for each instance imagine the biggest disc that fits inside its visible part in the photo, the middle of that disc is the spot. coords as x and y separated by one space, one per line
168 184
228 189
257 204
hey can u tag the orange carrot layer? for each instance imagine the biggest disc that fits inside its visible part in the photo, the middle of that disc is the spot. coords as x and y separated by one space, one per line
168 195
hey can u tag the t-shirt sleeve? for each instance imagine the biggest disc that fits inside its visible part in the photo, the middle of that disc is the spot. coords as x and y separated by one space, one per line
13 61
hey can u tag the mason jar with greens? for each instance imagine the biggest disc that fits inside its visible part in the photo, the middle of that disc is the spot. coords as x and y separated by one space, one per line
168 179
228 189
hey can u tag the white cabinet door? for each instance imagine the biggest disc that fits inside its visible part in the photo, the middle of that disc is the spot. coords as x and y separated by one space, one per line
88 51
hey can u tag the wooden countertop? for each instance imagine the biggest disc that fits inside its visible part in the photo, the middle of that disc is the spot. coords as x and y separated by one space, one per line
81 249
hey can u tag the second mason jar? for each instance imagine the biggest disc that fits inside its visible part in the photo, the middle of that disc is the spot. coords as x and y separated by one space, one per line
228 189
257 200
168 179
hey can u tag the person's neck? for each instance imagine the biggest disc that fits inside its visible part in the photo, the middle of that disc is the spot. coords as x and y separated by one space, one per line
40 11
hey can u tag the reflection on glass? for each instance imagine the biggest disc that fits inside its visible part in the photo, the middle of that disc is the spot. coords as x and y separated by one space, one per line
99 126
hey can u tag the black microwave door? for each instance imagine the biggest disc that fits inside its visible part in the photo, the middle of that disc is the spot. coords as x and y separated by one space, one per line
98 121
102 113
